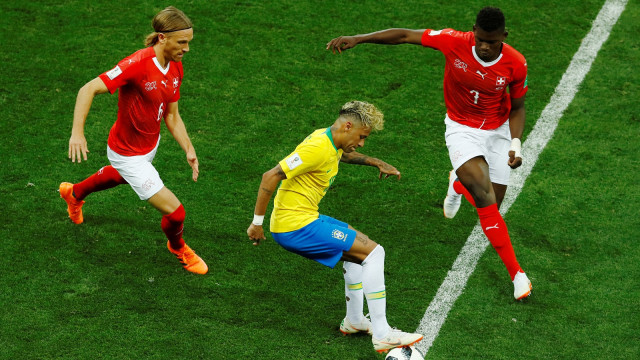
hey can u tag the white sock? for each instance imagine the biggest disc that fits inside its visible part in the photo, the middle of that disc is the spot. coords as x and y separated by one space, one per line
353 291
374 290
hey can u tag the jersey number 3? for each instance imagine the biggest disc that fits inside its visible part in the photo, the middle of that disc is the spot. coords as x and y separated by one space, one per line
476 96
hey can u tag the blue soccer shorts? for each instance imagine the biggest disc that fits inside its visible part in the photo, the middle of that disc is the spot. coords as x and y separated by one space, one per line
324 240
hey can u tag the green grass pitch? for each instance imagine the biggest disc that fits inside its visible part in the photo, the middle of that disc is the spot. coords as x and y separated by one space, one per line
257 81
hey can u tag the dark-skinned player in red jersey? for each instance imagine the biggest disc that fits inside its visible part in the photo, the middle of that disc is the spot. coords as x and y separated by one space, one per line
484 121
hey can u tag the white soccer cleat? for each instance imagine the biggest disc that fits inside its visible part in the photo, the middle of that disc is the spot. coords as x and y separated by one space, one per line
394 339
346 327
521 286
453 199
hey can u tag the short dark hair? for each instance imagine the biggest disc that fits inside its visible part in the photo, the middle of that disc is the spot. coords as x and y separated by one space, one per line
490 19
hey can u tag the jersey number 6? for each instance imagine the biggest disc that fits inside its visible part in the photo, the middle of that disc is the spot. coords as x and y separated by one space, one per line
160 111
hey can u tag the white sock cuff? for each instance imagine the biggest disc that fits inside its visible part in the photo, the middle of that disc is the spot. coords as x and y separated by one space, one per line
376 253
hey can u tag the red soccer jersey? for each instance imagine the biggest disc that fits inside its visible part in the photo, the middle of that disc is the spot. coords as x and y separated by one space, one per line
475 92
145 91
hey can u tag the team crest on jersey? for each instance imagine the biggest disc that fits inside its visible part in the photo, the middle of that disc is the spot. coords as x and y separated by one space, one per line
338 235
150 85
460 64
455 156
501 80
175 82
148 185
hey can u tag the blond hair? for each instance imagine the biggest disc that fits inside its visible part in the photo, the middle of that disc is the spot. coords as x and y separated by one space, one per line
367 114
168 20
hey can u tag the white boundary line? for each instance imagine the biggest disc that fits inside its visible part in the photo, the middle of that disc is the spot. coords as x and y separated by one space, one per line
542 132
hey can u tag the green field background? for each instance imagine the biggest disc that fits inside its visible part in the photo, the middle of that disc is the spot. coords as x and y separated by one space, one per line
257 81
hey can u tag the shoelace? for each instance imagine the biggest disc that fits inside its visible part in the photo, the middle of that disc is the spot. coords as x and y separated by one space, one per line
76 206
187 255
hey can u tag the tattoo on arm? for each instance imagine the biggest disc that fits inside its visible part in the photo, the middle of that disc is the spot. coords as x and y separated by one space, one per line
363 239
355 158
268 191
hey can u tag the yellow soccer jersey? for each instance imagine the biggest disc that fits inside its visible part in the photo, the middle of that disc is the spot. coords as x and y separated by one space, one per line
310 170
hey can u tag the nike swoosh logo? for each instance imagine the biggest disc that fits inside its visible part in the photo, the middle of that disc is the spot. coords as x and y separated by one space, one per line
397 343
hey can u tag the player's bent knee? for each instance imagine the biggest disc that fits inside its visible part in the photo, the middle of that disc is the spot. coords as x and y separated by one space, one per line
360 250
178 215
377 253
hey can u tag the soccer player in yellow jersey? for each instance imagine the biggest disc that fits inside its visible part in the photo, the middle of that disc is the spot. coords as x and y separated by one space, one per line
296 224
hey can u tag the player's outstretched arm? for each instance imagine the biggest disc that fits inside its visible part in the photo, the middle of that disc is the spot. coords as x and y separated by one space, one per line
386 37
516 126
270 181
179 131
361 159
78 148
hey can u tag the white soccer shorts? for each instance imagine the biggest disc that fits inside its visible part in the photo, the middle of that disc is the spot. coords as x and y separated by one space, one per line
465 143
138 171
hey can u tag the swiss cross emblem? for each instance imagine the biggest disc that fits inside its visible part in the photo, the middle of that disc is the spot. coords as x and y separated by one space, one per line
175 82
501 80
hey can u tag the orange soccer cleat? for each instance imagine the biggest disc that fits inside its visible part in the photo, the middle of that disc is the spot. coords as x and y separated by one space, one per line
189 259
74 207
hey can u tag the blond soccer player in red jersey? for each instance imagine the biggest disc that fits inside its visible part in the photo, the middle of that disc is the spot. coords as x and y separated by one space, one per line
484 122
149 82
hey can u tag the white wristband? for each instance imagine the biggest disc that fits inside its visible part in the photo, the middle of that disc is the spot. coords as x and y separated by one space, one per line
258 220
516 147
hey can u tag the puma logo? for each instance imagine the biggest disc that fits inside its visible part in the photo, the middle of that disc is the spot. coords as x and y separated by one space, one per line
481 74
492 227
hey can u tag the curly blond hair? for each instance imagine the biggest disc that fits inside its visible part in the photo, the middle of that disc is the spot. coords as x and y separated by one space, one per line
367 114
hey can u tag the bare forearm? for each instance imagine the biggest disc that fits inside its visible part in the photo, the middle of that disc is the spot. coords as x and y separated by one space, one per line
359 159
179 132
516 123
388 37
268 186
264 196
517 117
83 103
81 110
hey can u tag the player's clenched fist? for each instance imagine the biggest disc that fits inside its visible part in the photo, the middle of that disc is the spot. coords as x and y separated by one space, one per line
256 233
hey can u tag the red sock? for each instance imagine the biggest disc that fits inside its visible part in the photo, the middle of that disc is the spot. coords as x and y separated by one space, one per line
495 229
172 225
105 178
460 189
